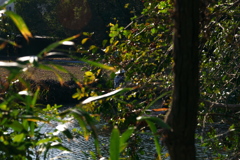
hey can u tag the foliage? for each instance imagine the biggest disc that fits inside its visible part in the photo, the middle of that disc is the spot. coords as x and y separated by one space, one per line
21 118
220 73
142 48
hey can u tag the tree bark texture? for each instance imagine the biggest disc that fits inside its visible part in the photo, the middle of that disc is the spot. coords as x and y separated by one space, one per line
182 117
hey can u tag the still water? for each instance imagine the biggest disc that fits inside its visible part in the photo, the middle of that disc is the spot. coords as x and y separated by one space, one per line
81 148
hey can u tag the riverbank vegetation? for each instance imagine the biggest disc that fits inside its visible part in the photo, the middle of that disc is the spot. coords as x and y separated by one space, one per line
146 50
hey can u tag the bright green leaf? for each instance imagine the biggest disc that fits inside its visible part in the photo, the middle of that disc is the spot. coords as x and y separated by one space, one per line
114 144
18 137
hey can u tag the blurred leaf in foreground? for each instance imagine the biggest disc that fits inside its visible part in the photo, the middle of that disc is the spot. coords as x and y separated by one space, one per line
20 24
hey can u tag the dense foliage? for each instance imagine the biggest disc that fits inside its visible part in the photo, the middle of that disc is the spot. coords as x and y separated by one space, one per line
143 48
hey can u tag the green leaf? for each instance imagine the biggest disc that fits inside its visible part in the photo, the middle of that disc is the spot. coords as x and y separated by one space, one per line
98 64
104 42
125 136
60 68
18 137
56 44
20 24
156 120
114 144
60 147
10 42
34 100
45 67
4 107
16 126
156 138
46 140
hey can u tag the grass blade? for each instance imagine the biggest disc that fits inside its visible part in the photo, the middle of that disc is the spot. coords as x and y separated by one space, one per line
114 144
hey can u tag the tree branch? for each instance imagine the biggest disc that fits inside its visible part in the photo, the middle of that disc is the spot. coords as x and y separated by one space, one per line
221 105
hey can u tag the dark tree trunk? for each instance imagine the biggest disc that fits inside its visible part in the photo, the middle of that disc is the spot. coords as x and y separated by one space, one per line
182 117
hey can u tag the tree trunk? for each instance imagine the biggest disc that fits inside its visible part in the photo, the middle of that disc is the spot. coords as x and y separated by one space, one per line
182 117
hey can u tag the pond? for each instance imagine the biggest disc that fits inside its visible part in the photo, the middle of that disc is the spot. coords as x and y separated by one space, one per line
81 148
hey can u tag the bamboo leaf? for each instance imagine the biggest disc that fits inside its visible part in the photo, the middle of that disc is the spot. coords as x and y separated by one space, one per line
114 144
156 141
98 64
118 91
125 136
34 100
11 64
60 68
60 147
56 44
8 41
20 24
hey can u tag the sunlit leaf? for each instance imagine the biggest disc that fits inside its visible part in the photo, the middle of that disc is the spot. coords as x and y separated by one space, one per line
84 40
11 64
68 43
26 93
88 77
56 44
18 137
20 24
98 64
4 107
59 77
118 91
5 41
55 54
46 140
31 59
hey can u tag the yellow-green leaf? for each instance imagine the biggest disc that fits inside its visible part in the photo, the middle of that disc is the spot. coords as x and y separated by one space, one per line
84 40
98 64
19 137
20 24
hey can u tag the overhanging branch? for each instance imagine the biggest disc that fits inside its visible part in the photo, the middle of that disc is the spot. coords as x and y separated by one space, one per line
221 105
